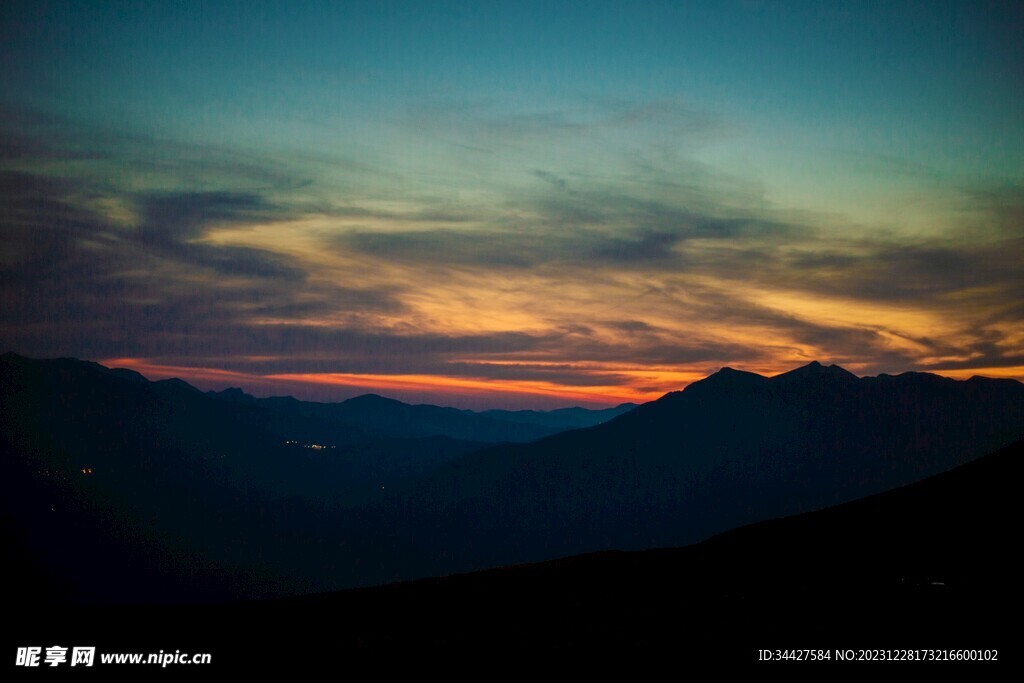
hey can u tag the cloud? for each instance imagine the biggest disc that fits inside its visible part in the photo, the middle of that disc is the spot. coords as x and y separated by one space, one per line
76 282
492 124
170 223
639 275
593 229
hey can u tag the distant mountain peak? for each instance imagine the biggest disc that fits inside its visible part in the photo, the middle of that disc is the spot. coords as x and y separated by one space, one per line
176 384
816 369
727 379
231 394
732 374
372 399
726 370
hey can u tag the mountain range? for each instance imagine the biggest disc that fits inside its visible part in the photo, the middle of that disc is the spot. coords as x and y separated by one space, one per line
732 449
117 489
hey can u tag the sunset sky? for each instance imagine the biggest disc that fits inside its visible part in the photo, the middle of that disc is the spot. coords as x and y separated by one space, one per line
512 204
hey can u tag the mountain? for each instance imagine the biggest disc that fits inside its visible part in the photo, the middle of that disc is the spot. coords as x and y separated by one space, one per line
125 490
77 414
385 417
330 449
561 419
928 565
137 490
729 450
931 565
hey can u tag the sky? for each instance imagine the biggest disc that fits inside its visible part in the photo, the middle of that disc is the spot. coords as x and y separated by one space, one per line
512 204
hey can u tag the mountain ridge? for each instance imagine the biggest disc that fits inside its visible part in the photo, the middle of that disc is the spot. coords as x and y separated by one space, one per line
268 490
742 446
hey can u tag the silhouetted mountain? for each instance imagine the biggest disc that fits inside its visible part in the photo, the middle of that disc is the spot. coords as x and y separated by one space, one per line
928 565
139 491
931 566
387 417
561 419
729 450
83 414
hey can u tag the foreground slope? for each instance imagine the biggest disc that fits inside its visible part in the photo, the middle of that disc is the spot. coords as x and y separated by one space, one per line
931 565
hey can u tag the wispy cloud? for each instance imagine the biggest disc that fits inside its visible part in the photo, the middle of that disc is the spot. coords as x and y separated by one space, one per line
561 276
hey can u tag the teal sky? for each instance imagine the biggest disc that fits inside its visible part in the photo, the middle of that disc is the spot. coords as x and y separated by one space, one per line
553 202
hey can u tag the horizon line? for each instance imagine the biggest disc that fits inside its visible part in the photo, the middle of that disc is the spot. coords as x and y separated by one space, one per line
461 392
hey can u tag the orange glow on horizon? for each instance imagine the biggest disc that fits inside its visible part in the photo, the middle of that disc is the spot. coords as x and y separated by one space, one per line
476 386
639 385
1012 372
437 384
